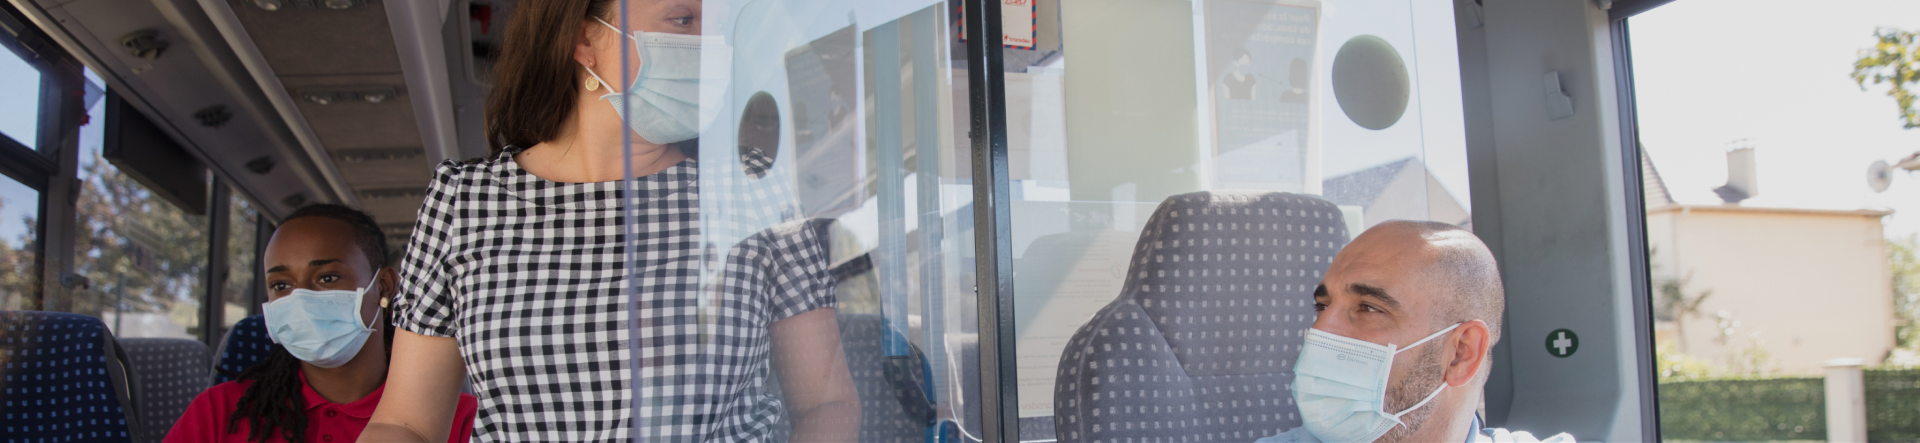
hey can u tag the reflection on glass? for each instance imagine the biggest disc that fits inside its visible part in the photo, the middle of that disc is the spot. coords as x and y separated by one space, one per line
145 257
242 234
845 116
19 250
20 113
1119 112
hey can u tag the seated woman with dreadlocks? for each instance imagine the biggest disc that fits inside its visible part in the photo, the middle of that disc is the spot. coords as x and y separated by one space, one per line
328 290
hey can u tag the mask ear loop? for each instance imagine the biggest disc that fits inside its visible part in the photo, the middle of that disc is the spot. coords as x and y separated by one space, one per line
383 301
1436 391
1429 338
623 54
1416 406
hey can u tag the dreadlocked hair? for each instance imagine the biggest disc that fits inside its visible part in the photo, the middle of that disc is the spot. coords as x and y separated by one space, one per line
276 400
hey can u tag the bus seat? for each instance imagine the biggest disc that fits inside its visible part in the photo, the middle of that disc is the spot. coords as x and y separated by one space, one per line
244 346
171 372
882 417
1201 340
64 378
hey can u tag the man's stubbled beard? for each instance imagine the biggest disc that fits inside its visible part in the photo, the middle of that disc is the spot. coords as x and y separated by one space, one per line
1427 375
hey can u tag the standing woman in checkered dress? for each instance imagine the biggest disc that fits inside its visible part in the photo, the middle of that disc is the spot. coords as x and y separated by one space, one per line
517 271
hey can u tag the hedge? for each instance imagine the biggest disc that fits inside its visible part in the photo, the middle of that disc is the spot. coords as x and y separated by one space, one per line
1778 409
1744 410
1893 404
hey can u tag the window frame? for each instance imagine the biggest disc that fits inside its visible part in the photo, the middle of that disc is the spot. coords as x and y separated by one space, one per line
1620 37
47 163
27 161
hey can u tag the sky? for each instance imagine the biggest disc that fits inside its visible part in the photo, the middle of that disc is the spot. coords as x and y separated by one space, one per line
17 201
1775 74
18 120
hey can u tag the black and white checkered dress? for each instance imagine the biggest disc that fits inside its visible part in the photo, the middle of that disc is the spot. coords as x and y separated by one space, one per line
529 275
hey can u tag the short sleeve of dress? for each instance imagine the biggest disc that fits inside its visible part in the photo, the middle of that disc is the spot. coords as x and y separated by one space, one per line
424 304
794 270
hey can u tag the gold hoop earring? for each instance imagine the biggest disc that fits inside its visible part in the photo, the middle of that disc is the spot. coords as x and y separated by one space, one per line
593 84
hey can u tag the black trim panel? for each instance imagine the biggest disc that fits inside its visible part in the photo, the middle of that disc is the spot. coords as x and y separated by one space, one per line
1627 8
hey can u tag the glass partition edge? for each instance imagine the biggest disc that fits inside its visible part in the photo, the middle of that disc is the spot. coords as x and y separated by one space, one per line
992 222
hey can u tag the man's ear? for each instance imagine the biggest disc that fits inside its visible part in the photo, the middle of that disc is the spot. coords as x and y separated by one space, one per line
1470 344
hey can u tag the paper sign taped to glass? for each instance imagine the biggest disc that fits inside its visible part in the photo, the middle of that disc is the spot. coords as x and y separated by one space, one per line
1263 90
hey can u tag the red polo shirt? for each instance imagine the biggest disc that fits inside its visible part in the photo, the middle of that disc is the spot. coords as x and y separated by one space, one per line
327 422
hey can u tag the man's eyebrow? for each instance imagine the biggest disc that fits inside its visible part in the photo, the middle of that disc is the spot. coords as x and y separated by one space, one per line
1320 291
281 268
322 262
1366 290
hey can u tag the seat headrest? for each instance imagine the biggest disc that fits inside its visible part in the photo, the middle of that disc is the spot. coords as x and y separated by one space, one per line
1224 274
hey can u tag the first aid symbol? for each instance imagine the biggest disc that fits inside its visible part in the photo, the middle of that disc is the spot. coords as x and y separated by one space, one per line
1562 342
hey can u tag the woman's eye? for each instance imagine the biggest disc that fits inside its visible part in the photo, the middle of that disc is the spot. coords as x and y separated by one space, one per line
1317 307
329 278
682 21
277 286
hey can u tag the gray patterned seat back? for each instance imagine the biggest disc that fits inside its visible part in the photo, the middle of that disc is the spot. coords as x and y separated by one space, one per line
881 417
170 371
1199 345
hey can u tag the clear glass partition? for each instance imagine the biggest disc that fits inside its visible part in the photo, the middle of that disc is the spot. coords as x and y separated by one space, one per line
832 139
1344 112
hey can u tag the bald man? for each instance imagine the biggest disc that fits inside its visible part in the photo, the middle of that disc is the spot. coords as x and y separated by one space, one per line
1407 315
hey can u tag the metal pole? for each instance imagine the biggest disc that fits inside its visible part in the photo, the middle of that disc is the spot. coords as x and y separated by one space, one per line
986 81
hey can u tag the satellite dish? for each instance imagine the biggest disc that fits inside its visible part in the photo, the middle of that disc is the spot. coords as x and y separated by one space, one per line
1879 176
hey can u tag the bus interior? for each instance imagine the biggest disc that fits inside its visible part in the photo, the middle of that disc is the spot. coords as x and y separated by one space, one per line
981 200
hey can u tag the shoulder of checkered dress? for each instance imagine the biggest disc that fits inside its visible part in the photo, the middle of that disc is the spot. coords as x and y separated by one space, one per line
450 169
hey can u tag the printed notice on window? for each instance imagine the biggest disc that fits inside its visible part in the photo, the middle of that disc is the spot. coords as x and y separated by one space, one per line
1260 60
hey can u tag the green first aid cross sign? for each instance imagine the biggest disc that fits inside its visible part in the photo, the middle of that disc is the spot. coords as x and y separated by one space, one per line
1562 343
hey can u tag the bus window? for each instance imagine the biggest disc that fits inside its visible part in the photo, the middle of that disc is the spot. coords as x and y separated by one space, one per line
19 248
20 116
1782 278
145 256
19 202
243 224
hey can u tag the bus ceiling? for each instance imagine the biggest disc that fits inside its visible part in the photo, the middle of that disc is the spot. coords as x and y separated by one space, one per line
296 101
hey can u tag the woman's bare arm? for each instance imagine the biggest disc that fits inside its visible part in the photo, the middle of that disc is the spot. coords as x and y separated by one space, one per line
423 389
813 370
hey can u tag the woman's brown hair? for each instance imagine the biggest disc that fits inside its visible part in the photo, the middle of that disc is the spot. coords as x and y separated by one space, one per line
536 81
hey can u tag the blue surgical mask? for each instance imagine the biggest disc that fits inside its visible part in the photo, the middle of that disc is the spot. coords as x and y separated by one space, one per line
1340 385
663 103
321 327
